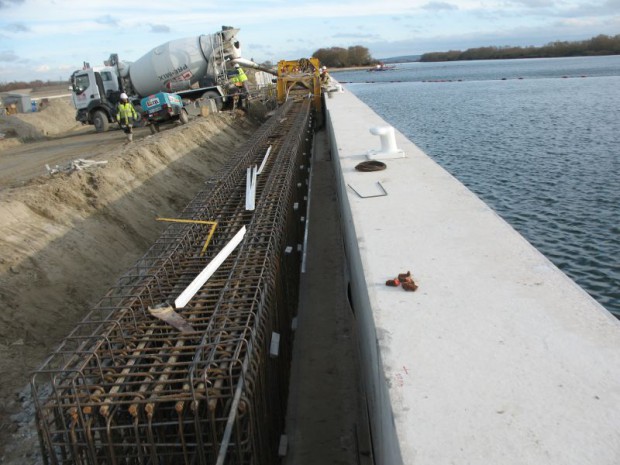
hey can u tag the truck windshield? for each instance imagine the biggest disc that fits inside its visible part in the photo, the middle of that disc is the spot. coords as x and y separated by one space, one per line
80 83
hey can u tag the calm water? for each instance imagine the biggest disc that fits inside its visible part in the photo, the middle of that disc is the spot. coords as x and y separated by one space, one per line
538 140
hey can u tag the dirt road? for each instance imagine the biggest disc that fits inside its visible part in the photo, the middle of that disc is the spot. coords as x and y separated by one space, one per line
22 163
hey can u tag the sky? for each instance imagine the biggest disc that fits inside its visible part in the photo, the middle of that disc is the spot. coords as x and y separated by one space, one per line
49 39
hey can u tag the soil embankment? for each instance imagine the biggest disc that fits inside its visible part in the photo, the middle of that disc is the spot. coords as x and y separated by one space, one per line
65 239
56 118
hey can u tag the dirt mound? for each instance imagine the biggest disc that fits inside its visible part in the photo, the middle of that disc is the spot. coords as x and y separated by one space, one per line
56 118
65 240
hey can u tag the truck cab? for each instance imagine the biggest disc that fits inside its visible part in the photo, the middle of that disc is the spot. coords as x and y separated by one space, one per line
95 94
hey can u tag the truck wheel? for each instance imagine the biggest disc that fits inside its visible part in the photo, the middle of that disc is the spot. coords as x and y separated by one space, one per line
217 98
183 117
100 120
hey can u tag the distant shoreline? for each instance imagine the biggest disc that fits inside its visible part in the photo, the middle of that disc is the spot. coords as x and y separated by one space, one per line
601 45
444 60
366 68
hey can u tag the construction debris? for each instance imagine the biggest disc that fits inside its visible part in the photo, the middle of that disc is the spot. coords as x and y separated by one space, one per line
75 165
166 313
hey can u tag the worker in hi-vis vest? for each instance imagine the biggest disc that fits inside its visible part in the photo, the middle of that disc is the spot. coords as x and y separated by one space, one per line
242 77
126 115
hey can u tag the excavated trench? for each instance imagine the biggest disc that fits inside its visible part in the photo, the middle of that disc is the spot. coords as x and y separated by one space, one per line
66 239
125 387
134 391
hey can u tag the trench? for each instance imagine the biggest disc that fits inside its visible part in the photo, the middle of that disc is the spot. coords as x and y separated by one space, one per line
232 408
124 387
65 241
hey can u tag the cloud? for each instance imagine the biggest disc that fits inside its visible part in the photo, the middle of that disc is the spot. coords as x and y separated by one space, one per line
17 27
259 47
552 9
159 28
8 56
351 35
534 3
608 8
65 68
440 6
8 3
42 68
107 19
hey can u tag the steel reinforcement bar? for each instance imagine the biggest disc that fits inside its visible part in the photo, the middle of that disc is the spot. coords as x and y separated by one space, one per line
127 388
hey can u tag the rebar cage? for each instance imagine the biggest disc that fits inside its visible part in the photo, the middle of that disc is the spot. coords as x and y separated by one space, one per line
126 388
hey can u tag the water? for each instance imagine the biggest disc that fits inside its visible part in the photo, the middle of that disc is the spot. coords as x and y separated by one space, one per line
538 140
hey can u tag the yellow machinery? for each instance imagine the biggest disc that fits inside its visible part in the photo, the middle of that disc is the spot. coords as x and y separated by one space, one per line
299 77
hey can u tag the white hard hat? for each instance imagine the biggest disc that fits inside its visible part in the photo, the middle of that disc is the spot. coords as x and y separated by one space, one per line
324 68
236 65
124 96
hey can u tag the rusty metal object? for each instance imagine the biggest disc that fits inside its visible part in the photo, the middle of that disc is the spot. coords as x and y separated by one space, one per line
404 280
127 388
404 276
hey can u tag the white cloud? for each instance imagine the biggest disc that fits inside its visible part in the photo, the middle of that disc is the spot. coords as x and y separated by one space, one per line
9 3
534 3
353 35
439 6
43 68
159 28
8 56
17 27
107 19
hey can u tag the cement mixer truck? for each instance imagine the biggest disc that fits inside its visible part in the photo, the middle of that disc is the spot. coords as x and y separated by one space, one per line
193 67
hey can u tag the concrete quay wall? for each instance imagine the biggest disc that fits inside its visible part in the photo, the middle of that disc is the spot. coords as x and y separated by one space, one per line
498 357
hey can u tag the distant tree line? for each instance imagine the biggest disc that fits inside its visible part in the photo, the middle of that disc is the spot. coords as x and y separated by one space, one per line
599 45
9 86
338 57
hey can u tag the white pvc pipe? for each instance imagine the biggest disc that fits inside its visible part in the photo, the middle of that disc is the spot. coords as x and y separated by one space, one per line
262 165
208 270
250 188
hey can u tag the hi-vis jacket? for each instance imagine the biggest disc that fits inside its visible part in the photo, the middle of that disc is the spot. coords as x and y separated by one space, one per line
125 112
241 75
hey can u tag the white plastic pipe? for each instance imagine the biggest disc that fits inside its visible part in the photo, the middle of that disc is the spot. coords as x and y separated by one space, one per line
264 162
250 188
207 272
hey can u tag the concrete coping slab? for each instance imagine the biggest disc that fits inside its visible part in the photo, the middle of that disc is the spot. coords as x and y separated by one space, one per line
498 357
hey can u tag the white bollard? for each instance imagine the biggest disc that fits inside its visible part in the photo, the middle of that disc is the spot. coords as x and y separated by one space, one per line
388 144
